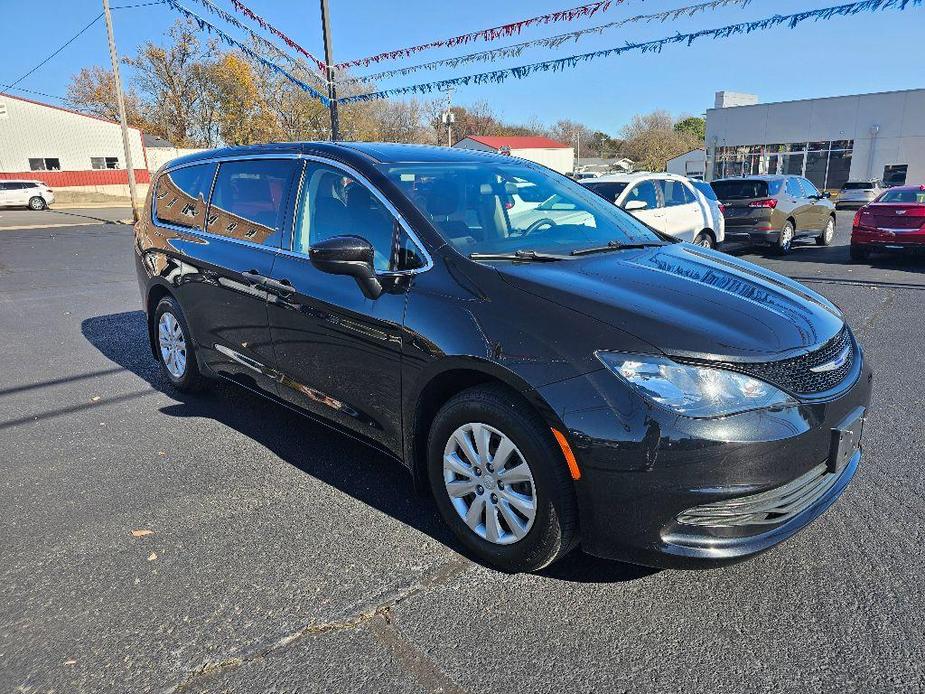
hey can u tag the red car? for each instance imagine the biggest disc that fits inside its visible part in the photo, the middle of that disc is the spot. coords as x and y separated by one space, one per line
894 222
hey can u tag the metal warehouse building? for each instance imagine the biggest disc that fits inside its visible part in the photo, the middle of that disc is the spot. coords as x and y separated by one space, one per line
829 140
66 149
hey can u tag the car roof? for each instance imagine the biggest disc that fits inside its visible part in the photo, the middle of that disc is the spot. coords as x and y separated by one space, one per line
349 152
20 180
637 176
758 177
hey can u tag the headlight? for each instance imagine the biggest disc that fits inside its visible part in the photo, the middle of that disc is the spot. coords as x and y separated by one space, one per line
693 391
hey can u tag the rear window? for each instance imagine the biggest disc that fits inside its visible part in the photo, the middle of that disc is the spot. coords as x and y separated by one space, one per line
705 188
746 188
903 195
609 190
858 185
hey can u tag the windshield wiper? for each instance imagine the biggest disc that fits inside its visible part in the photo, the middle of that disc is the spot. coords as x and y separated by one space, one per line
519 255
616 246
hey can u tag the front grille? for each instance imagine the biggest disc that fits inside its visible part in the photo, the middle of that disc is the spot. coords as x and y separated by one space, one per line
796 376
767 508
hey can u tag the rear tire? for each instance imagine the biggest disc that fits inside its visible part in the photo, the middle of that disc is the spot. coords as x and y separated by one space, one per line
859 253
705 240
175 352
37 203
785 241
828 234
481 513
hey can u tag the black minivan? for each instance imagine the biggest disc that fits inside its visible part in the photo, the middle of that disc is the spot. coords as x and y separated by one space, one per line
576 379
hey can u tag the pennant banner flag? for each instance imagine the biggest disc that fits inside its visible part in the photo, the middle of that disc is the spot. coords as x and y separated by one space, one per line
550 42
656 46
266 26
225 38
257 38
498 32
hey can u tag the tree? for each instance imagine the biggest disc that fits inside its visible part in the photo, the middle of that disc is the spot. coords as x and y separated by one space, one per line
177 89
651 140
693 126
242 114
571 132
93 91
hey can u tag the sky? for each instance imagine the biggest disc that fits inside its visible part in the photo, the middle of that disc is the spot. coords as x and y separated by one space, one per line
863 53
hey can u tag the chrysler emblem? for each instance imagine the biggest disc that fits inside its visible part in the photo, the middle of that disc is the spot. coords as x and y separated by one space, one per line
836 363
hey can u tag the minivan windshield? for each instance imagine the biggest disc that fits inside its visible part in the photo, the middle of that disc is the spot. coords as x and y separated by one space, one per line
745 188
477 207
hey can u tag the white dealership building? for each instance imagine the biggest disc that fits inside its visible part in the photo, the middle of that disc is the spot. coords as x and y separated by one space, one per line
828 140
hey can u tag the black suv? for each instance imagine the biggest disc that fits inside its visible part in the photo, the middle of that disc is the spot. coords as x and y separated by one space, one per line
551 382
775 210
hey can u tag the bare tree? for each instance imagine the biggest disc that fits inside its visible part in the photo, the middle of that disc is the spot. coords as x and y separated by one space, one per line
93 91
651 140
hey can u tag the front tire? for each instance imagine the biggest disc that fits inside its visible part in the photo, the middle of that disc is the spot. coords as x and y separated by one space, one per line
37 203
705 240
785 240
828 234
175 352
500 481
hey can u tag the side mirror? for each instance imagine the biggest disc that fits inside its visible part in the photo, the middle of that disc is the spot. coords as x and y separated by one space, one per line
635 205
348 255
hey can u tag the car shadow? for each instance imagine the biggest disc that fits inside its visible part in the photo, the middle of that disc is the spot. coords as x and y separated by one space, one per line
311 447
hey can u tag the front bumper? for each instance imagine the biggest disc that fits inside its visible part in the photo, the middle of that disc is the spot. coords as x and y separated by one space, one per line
643 467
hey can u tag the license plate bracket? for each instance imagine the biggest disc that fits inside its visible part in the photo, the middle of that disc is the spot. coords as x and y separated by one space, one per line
846 440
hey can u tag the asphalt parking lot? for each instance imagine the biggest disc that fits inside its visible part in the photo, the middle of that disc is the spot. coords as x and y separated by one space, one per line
157 542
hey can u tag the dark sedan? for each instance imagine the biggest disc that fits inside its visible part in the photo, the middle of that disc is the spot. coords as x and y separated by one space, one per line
563 381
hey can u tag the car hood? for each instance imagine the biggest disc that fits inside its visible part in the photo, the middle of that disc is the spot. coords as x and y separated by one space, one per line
686 301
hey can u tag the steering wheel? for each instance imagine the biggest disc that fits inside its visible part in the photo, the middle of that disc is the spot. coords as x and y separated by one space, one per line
539 224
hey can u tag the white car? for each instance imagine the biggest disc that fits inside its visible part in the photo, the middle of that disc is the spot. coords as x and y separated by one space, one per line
32 194
666 202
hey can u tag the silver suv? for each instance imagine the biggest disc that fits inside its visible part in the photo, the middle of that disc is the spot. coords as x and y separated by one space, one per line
855 194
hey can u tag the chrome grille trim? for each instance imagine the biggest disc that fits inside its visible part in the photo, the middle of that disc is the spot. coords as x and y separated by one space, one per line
796 375
772 507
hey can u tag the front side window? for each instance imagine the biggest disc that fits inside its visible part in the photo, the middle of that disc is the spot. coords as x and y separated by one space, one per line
469 204
249 199
675 193
181 195
333 203
645 191
810 189
609 190
793 188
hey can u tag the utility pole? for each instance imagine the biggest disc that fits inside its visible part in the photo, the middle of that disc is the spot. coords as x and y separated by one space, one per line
329 69
129 165
448 117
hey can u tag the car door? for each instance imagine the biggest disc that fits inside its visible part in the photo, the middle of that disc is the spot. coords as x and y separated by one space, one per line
6 194
17 193
683 217
801 207
339 352
648 192
224 270
820 210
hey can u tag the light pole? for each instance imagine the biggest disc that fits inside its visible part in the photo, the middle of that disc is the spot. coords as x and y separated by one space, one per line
329 70
449 117
120 99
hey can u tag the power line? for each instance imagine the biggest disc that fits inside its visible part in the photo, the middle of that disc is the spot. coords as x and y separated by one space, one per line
61 48
32 91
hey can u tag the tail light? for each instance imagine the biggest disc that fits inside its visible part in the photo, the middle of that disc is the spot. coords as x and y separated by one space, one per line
857 217
722 209
769 203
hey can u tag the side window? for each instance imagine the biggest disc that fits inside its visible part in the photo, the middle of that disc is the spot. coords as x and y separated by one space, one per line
645 191
675 193
808 187
334 204
794 189
181 195
249 199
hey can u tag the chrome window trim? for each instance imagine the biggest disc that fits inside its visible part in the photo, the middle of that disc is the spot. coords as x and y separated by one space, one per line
356 175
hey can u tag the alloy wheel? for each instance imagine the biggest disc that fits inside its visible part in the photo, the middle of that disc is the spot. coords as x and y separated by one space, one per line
172 343
489 483
829 231
786 237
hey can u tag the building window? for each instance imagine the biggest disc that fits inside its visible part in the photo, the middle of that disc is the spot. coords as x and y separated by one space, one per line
45 164
104 162
826 164
895 174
